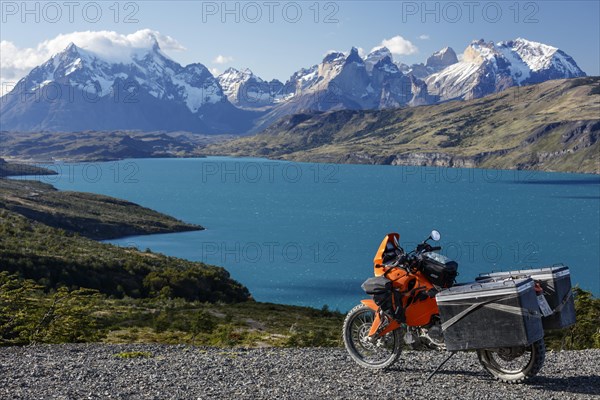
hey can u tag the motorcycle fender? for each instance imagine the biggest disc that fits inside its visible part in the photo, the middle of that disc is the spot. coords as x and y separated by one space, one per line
392 326
370 303
377 321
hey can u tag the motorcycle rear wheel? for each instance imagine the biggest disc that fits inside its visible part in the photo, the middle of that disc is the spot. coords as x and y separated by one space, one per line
374 354
514 365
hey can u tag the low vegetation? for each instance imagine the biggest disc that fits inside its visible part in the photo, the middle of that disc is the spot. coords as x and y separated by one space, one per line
55 258
585 334
133 354
57 286
29 314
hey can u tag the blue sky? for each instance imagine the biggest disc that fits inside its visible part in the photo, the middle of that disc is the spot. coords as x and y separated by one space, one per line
275 38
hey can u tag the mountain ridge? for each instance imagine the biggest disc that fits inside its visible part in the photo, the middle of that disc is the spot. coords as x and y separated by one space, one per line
143 89
489 67
147 91
551 126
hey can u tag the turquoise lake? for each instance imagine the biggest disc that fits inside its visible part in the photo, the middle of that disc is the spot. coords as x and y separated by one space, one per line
306 234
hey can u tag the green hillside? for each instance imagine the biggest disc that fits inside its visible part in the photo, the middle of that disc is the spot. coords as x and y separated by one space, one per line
46 275
552 126
91 215
55 257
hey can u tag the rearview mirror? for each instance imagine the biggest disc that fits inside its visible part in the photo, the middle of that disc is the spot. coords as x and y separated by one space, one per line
435 235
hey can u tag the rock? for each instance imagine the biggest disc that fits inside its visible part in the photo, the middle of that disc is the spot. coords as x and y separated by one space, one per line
92 371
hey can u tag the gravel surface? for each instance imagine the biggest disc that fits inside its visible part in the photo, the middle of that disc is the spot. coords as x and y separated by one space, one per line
182 372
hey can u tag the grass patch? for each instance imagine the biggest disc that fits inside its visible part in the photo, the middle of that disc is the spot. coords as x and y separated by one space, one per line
133 354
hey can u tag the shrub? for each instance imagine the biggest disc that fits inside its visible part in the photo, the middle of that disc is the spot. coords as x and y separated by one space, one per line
585 334
133 354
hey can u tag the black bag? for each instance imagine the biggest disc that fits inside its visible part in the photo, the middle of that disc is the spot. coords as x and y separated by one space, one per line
377 285
440 270
384 295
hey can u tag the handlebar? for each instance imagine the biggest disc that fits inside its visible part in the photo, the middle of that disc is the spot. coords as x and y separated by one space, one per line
410 260
425 248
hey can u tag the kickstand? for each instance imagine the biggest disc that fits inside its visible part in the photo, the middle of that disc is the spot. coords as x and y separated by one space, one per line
440 366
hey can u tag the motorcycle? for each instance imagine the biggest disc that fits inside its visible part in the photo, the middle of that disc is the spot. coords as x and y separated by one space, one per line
403 312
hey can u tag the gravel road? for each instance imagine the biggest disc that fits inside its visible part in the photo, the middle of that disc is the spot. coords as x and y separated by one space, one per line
181 372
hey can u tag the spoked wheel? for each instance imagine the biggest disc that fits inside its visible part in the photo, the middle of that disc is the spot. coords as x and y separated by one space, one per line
514 364
375 354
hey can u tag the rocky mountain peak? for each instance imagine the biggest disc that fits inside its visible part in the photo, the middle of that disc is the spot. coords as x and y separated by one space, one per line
333 56
442 59
354 56
489 67
376 55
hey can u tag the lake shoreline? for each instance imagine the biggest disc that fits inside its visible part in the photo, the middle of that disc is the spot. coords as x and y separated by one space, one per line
47 163
93 216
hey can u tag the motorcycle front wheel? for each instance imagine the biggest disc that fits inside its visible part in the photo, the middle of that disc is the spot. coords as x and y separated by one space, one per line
370 353
514 365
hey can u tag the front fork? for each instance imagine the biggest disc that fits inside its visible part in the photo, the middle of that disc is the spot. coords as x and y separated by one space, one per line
382 324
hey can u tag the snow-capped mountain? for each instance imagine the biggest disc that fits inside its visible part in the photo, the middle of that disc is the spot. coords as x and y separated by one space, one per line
435 63
441 59
345 80
244 89
489 67
376 55
143 89
77 89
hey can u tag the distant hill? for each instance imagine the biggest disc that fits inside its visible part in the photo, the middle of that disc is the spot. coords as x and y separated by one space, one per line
552 126
91 215
16 169
100 145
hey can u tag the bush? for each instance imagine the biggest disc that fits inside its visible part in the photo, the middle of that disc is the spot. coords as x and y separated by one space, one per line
203 322
227 335
585 334
27 315
20 309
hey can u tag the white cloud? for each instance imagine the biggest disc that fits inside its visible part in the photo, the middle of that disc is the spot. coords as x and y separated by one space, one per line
424 37
215 71
220 59
362 52
16 62
399 46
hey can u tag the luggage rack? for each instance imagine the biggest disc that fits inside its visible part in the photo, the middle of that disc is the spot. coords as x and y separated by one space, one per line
517 272
555 283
